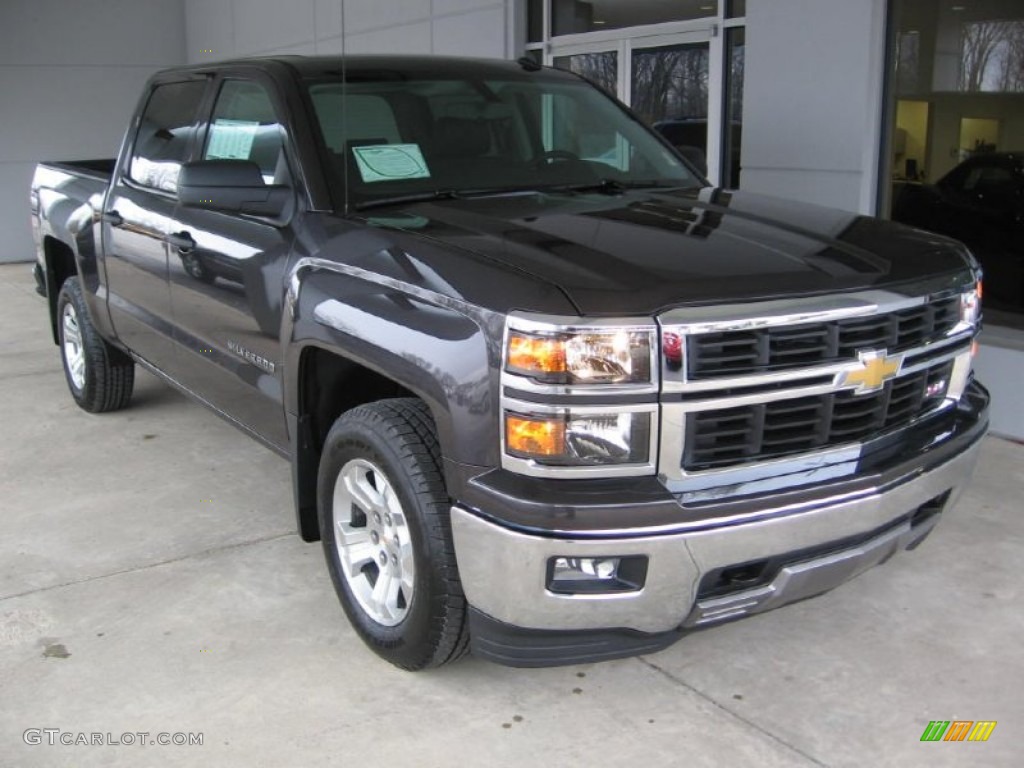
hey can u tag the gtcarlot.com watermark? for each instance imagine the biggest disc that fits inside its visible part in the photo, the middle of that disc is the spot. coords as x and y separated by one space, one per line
55 737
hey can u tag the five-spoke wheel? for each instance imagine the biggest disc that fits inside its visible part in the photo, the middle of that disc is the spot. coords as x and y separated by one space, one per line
386 531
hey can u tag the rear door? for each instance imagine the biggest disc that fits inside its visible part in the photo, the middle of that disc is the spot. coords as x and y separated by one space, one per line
137 217
227 270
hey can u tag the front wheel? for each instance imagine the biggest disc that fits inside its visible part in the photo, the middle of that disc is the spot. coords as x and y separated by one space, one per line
195 268
386 531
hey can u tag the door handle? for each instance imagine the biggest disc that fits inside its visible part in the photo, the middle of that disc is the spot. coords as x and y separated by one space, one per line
113 218
182 241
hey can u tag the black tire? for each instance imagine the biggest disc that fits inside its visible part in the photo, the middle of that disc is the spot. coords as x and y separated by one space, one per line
107 375
397 437
195 268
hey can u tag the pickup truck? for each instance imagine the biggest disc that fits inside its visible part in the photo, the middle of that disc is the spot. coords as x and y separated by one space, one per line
546 394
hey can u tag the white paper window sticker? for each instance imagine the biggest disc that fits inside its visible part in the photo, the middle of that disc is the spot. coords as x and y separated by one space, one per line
231 139
390 162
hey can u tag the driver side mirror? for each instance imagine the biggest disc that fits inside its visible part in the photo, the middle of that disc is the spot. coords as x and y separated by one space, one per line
234 186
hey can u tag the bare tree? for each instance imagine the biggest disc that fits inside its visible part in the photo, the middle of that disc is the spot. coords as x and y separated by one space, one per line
1011 76
671 83
600 68
979 43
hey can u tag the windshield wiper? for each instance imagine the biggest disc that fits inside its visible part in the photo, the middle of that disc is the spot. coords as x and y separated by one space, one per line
437 194
613 186
418 197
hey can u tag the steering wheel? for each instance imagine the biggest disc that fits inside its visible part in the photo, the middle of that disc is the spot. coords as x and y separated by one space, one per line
554 155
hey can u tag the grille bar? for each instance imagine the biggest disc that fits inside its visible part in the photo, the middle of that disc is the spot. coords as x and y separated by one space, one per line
729 436
766 350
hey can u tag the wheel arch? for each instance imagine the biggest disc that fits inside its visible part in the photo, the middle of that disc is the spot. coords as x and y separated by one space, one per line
350 340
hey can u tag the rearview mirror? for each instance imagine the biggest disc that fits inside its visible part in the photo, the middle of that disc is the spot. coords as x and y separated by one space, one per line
231 185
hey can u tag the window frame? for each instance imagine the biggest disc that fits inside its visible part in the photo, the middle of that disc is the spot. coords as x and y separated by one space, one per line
128 155
217 90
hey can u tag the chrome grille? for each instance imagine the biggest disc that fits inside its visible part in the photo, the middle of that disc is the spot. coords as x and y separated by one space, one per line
725 437
779 348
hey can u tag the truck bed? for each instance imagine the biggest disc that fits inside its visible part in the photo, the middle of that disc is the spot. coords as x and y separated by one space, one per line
102 168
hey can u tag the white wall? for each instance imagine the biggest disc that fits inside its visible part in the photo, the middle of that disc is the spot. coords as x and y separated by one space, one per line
70 76
218 29
812 114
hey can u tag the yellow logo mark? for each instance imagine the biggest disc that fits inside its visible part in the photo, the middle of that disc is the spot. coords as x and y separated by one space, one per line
982 730
877 368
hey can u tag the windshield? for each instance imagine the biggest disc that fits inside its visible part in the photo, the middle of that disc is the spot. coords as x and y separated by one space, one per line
392 136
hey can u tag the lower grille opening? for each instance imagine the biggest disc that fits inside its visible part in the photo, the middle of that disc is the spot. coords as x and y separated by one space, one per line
929 509
756 573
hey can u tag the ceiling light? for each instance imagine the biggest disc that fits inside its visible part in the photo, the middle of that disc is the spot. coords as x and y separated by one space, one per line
957 8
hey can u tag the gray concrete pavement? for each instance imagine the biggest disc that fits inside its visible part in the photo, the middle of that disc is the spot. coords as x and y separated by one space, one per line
151 580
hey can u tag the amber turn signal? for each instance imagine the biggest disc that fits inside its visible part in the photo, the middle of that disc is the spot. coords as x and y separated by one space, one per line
536 354
533 436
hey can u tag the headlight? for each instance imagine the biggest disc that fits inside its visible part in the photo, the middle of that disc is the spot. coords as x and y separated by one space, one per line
573 439
970 305
584 356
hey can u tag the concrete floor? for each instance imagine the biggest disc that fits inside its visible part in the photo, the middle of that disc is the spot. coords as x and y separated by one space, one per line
151 580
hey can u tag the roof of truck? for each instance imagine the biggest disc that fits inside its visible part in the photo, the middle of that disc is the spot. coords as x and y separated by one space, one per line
395 66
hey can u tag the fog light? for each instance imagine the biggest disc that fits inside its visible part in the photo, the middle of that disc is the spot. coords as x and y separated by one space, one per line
574 575
585 568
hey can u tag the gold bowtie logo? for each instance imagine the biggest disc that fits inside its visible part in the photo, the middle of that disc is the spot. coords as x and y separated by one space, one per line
876 369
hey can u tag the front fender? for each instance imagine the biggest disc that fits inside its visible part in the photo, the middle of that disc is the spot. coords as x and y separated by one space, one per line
443 349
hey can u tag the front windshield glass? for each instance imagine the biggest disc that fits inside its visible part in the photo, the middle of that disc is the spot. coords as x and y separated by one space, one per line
391 136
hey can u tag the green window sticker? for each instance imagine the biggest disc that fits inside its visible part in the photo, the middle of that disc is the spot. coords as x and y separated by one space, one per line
231 139
390 162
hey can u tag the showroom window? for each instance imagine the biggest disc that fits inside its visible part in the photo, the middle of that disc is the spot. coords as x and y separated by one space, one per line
678 64
955 163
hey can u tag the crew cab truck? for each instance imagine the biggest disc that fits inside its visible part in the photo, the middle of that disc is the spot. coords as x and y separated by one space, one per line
546 394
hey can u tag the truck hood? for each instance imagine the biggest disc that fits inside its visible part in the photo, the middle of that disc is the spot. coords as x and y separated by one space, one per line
642 252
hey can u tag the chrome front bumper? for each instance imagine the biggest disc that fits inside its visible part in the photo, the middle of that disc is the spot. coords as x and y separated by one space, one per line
504 572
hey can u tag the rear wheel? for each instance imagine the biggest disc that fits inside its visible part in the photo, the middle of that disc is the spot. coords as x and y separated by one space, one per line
386 532
99 376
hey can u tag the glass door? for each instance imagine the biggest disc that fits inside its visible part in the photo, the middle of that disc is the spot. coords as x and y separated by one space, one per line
668 88
600 67
670 80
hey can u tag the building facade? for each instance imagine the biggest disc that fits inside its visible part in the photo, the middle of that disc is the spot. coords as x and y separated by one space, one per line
901 108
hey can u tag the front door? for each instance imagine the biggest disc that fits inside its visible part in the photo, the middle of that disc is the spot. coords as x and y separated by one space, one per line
227 272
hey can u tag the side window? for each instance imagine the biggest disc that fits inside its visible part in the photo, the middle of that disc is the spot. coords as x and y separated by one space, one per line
165 134
245 126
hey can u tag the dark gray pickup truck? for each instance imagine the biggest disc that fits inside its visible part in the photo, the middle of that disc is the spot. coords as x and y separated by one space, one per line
545 393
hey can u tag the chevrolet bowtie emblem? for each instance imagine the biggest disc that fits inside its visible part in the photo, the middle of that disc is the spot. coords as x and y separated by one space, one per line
876 369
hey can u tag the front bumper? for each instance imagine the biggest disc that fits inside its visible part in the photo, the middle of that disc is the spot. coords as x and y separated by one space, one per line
516 619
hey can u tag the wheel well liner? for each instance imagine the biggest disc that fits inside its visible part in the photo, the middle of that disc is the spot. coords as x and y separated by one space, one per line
329 385
60 265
